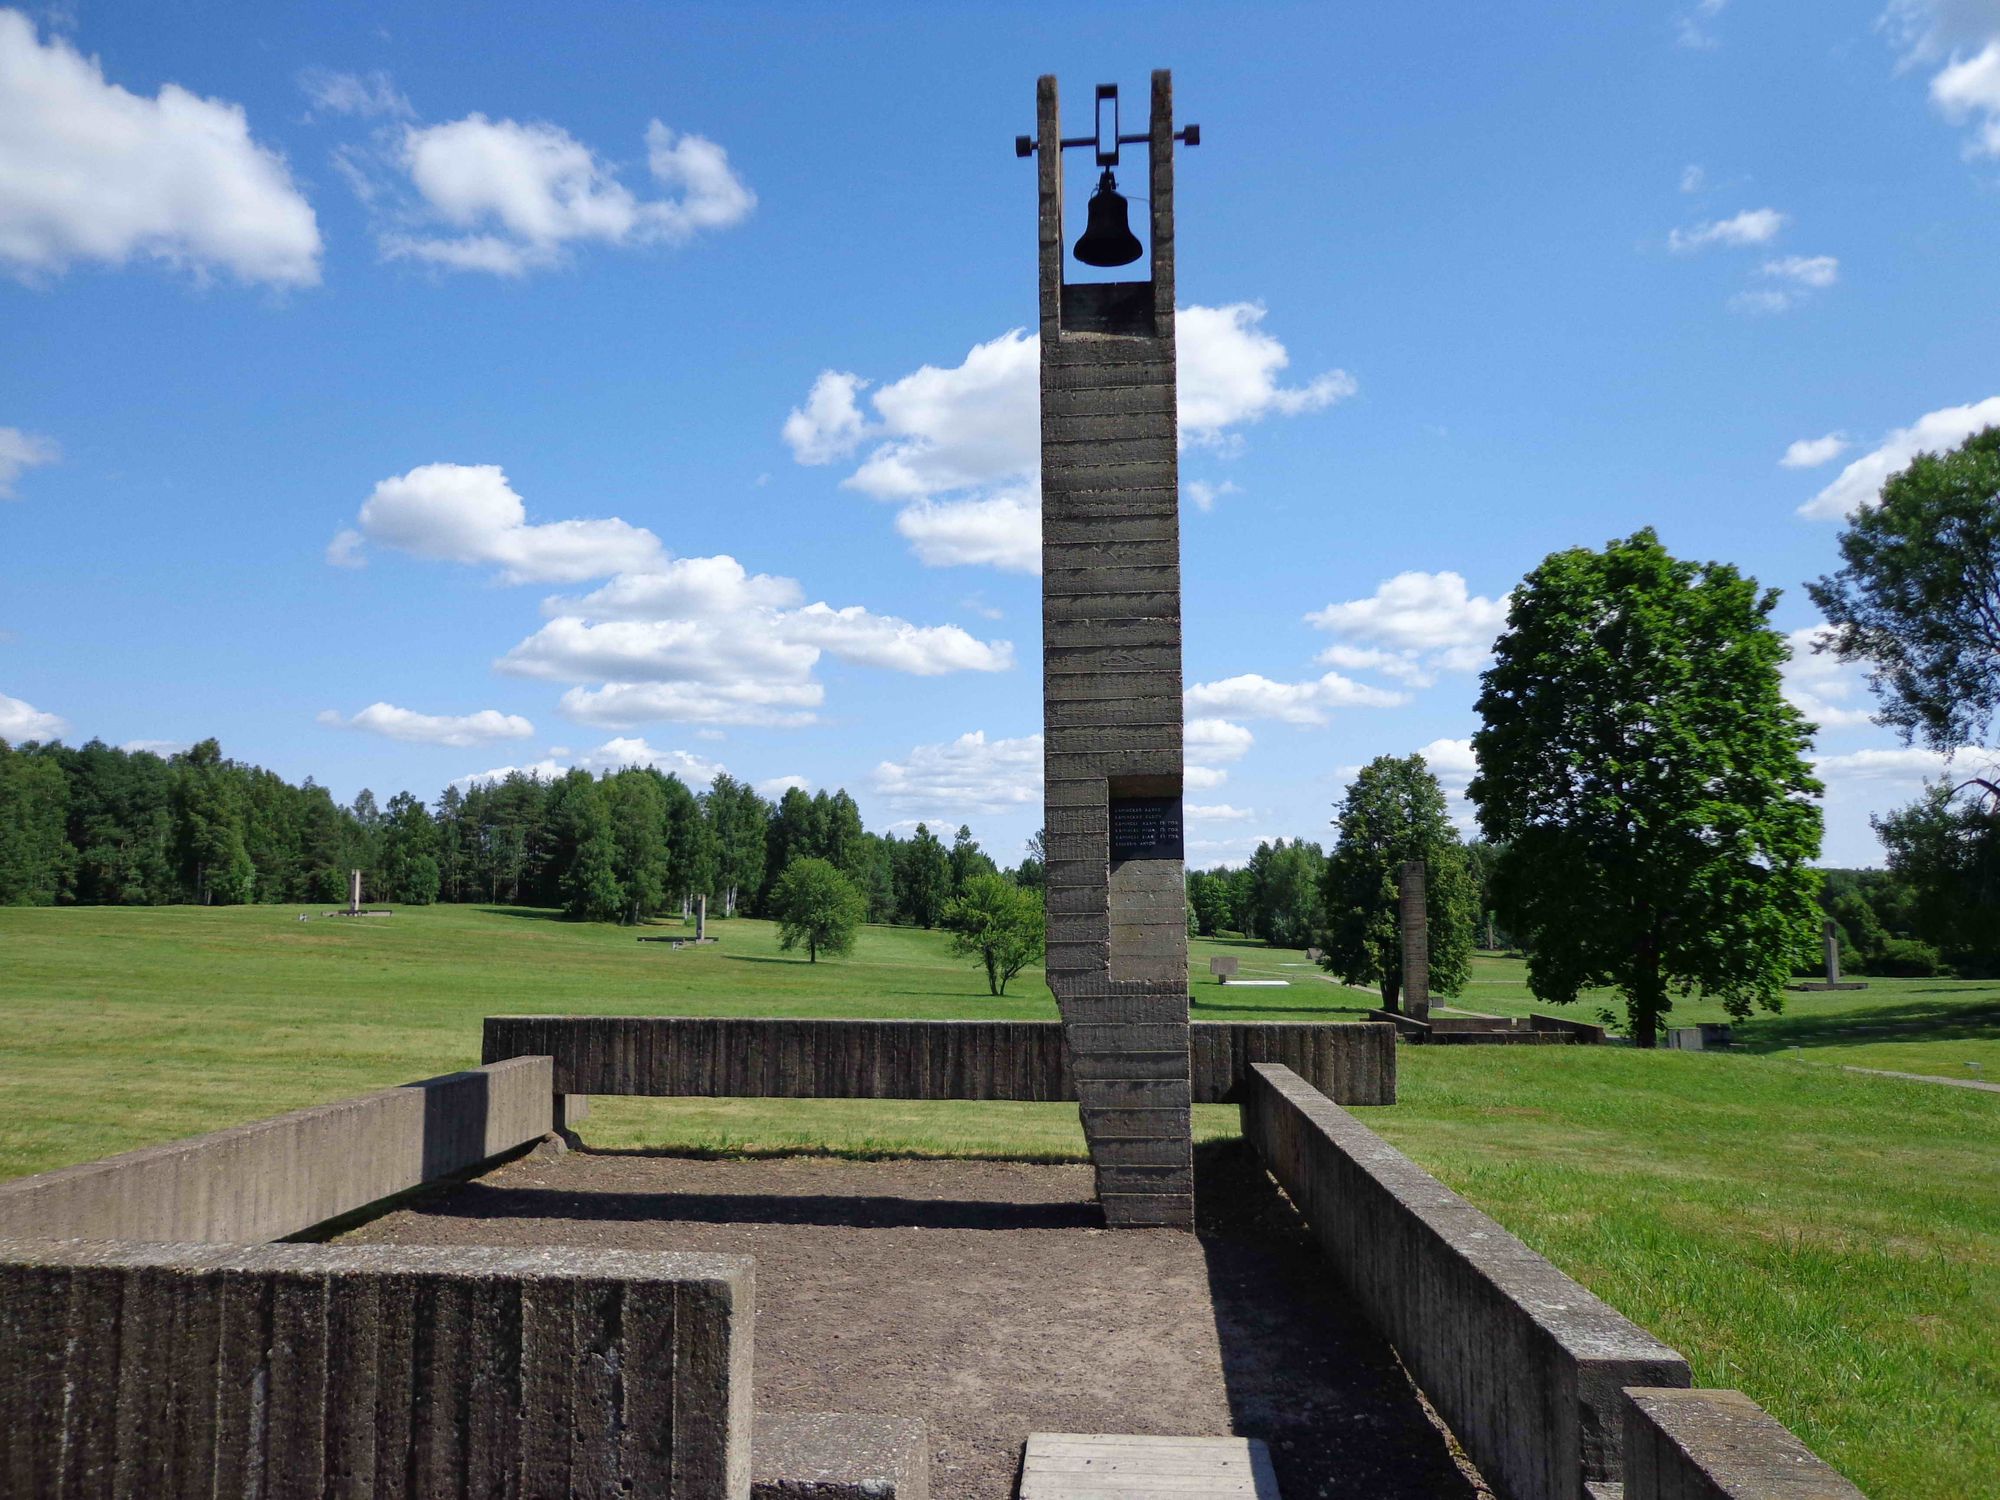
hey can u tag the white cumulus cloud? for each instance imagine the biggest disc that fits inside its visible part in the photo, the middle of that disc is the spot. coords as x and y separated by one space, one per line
1253 696
1967 91
469 513
92 172
1753 226
1218 812
509 197
458 730
1216 739
1961 40
21 721
1831 693
369 96
968 775
613 755
625 705
1412 627
1810 453
19 452
958 449
1906 765
1860 483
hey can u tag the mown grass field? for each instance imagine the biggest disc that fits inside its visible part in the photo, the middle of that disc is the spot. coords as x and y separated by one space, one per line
1827 1241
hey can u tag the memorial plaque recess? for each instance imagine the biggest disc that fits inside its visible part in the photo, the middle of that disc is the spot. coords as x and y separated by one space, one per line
1146 828
1111 666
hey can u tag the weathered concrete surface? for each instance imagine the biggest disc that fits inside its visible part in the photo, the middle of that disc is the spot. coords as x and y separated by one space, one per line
1719 1445
1413 915
1111 692
837 1456
738 1057
308 1370
283 1175
1491 1030
1526 1366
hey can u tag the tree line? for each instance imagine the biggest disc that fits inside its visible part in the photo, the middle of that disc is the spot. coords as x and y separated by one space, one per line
96 825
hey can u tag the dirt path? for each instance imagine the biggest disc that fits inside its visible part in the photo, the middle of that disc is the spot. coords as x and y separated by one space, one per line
983 1298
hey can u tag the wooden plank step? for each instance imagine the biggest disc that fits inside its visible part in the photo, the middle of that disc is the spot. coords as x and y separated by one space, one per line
1117 1466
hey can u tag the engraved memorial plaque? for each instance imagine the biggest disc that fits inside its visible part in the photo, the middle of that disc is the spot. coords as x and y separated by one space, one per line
1146 828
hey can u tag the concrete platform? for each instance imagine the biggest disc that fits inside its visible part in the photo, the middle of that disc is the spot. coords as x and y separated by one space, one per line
1105 1466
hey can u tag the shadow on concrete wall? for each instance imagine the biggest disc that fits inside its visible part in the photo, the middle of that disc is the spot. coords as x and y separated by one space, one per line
456 1108
1303 1370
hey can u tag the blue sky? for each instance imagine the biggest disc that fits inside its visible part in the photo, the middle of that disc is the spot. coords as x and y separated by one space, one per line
399 396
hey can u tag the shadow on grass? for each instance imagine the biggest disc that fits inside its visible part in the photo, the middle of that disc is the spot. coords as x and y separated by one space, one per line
754 958
1918 1021
526 913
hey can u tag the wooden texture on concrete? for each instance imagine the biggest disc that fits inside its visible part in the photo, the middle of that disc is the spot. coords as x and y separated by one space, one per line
282 1176
1526 1366
1106 1466
1115 1059
1111 616
310 1370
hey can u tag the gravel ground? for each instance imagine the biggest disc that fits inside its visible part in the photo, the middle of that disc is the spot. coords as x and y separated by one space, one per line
984 1298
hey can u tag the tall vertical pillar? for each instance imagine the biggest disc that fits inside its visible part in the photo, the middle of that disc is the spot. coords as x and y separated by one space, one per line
1111 687
1416 923
1830 937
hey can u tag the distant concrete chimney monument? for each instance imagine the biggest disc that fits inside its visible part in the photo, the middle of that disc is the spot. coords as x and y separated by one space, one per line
1111 666
1415 918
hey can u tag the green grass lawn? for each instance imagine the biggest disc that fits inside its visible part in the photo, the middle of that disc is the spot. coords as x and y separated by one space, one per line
1827 1241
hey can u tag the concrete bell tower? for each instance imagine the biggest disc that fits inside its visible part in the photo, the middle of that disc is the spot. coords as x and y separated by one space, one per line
1111 682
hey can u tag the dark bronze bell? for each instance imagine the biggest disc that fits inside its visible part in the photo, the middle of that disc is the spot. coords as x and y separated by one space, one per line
1107 240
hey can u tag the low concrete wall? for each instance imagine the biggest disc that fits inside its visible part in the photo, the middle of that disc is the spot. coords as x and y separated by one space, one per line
1719 1445
1526 1366
1587 1032
809 1059
283 1175
1491 1030
309 1370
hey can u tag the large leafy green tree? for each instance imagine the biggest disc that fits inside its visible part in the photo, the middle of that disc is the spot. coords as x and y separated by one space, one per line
408 852
1394 811
818 909
1283 905
589 880
738 821
1918 596
1638 758
638 809
923 878
209 827
1947 848
997 922
968 859
35 856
